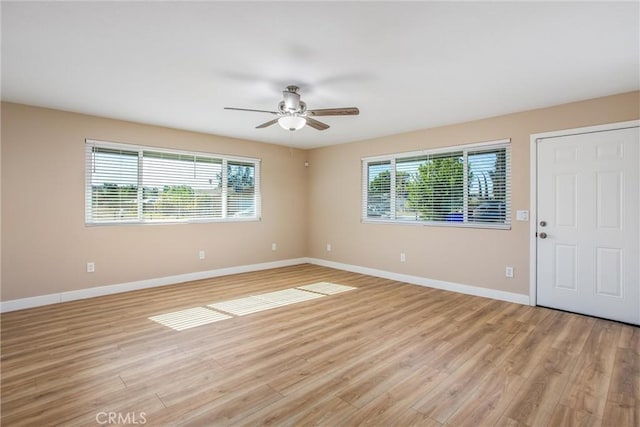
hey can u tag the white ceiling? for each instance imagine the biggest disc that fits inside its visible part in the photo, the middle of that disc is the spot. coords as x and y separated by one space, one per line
406 65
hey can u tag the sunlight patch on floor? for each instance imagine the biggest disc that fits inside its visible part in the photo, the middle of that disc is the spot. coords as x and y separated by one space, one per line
257 303
242 306
288 296
189 318
192 317
326 288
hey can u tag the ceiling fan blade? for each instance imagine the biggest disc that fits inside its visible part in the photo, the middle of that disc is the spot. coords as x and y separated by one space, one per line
316 124
347 111
249 109
267 124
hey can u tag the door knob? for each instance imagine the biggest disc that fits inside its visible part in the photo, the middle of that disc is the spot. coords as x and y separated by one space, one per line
543 223
543 235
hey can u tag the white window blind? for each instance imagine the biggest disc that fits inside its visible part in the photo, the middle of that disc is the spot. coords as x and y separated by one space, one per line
458 186
132 184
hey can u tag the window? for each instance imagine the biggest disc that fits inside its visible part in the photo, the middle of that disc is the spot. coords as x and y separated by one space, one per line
460 186
131 184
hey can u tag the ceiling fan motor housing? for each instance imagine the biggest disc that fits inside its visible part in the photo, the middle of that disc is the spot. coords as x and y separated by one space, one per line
292 99
282 108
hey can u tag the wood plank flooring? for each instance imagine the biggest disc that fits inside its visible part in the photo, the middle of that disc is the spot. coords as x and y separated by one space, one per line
385 354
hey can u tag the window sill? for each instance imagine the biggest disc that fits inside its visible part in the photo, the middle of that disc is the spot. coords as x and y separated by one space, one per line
174 222
438 224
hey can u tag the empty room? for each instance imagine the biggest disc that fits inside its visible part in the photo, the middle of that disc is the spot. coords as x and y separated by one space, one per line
332 213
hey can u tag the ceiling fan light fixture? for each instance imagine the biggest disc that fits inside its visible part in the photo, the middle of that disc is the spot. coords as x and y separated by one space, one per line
292 122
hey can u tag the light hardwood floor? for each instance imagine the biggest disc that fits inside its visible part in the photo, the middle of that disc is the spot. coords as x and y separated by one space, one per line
387 354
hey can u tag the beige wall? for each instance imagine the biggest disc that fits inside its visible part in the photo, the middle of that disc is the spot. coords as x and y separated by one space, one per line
459 255
46 245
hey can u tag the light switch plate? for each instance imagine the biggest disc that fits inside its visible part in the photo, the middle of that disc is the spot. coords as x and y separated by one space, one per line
522 215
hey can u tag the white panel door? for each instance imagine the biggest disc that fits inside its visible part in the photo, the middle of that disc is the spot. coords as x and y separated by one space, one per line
589 224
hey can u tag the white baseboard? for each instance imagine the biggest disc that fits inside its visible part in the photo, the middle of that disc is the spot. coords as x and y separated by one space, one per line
23 303
430 283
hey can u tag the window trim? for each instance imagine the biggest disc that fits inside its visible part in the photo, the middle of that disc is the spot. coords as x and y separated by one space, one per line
464 148
88 150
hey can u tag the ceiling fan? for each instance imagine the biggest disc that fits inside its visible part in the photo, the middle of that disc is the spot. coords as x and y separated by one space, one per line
293 114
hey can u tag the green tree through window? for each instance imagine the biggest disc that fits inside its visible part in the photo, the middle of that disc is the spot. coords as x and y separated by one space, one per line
469 184
437 190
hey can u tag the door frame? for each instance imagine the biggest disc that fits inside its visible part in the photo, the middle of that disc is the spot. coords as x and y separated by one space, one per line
533 191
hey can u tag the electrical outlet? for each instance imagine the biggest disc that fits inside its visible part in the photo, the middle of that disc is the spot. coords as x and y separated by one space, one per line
274 246
91 267
201 254
403 257
328 247
508 272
